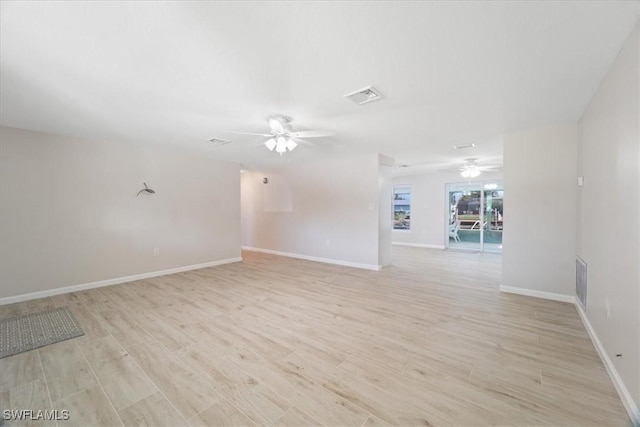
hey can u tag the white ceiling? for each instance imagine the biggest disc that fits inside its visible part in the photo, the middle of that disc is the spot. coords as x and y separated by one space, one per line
178 73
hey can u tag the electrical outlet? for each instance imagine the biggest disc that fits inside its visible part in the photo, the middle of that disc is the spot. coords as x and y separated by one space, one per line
607 307
156 251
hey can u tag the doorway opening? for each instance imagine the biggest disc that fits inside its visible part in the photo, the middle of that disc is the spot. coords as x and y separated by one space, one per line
475 216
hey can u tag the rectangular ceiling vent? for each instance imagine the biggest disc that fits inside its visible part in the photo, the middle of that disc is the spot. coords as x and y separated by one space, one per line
364 95
462 147
219 141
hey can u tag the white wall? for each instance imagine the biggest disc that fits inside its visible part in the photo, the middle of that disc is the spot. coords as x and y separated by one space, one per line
325 209
428 207
609 212
539 239
385 210
69 214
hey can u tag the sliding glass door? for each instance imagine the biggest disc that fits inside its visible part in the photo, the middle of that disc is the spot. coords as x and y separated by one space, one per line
465 212
494 214
475 216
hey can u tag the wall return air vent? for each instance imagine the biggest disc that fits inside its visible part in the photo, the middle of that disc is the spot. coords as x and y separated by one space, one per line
581 282
364 95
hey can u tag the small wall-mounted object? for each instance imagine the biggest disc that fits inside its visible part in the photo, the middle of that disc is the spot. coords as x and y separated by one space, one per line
265 180
146 190
581 181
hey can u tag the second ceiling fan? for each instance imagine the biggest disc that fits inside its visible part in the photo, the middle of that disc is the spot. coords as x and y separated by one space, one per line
471 168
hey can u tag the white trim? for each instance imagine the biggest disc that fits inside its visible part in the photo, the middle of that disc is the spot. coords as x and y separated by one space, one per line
316 259
418 245
538 294
108 282
623 392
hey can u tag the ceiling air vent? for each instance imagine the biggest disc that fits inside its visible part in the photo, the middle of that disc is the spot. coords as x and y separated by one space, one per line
364 95
461 147
219 141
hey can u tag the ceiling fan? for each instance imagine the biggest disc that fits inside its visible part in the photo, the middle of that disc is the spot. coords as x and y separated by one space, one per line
282 138
471 169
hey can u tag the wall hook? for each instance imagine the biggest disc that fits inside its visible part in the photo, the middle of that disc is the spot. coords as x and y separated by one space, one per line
145 190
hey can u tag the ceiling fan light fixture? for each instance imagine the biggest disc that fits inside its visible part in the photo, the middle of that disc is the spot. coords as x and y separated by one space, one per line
470 169
281 137
271 144
470 172
281 145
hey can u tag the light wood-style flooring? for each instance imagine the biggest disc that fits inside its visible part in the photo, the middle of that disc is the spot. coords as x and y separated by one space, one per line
283 342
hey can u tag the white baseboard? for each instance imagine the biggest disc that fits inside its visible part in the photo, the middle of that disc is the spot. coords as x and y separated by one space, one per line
538 294
316 259
418 245
108 282
623 392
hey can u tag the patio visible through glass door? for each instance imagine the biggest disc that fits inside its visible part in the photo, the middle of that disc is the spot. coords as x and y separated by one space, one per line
494 215
465 212
475 216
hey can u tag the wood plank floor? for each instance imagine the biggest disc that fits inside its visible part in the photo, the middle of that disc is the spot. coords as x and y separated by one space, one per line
276 341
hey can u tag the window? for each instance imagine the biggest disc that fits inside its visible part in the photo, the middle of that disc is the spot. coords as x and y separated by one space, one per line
401 208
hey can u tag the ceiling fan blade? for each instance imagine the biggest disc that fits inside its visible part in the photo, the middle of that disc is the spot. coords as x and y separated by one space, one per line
450 170
247 133
313 133
302 141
